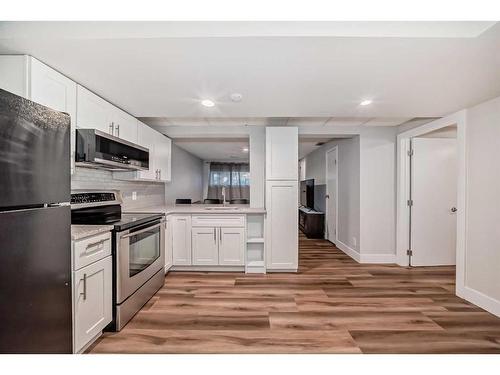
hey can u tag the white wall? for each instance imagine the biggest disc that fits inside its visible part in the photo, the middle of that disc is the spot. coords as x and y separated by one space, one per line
349 173
187 176
482 259
378 194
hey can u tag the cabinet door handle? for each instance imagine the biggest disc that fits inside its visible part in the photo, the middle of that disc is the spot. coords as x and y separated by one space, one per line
95 243
215 240
159 173
111 128
84 294
220 235
117 128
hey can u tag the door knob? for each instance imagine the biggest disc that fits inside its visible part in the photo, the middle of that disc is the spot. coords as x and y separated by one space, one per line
453 209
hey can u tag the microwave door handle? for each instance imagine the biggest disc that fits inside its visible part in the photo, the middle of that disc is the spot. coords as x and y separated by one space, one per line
142 230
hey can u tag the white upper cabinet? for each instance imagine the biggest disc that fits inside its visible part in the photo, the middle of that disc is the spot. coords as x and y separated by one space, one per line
93 112
14 74
163 156
160 155
27 77
146 137
50 88
282 153
124 125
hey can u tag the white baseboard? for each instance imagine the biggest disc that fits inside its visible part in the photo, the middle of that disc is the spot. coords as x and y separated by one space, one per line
378 258
482 300
366 258
349 251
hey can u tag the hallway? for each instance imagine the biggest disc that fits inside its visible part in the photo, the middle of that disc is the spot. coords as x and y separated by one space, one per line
332 305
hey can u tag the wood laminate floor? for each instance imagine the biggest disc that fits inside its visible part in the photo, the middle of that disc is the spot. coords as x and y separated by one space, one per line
332 305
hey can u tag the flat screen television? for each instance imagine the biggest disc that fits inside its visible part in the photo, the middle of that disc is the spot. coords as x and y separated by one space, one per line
307 193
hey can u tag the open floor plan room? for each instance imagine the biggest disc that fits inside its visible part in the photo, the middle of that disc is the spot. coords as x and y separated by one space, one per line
249 187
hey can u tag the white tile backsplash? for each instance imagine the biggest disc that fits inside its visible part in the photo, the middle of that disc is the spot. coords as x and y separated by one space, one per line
148 193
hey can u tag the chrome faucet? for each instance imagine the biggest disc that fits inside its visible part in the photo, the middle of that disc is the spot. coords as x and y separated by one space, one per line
223 195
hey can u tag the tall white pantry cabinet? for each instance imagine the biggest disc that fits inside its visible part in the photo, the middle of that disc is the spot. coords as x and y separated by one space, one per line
282 247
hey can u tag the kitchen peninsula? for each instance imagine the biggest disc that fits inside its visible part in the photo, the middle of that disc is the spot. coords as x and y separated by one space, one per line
213 237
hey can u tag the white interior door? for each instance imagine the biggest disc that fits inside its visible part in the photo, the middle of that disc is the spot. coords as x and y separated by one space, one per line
331 195
434 195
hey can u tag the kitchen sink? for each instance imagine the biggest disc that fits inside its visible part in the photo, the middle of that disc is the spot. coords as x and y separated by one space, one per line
221 208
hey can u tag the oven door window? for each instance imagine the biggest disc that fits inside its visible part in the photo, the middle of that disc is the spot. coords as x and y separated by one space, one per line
144 250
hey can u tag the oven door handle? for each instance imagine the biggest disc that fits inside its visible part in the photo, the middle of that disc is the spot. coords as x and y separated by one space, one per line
142 230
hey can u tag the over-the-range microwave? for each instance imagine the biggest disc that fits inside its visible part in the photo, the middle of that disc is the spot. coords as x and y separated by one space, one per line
97 149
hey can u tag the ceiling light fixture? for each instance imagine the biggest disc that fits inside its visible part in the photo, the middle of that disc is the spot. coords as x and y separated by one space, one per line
236 97
207 103
366 102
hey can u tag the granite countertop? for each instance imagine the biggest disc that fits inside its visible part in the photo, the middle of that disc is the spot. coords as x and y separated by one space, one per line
81 231
201 209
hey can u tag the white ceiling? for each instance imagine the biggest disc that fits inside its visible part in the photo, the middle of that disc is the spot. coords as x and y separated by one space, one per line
231 149
283 70
216 149
162 122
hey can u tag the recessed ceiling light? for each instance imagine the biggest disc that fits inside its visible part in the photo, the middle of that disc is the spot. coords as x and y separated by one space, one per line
207 103
236 97
245 149
366 102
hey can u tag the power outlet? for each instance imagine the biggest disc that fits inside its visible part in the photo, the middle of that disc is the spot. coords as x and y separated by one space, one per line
354 241
134 195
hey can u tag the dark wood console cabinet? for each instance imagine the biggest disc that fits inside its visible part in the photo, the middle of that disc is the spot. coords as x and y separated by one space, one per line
312 223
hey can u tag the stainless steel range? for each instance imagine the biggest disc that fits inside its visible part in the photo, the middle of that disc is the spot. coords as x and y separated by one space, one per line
138 249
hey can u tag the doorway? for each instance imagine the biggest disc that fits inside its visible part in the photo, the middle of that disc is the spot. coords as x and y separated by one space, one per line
433 199
331 214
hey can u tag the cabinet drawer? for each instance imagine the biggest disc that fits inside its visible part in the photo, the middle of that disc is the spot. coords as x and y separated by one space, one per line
218 221
91 249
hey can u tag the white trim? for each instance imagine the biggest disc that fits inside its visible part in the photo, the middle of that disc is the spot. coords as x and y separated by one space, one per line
209 268
402 224
349 251
482 300
378 258
335 148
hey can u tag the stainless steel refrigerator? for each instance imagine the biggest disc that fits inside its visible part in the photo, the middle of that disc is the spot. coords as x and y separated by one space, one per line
35 228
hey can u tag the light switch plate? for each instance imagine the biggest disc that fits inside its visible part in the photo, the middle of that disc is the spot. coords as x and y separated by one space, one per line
134 195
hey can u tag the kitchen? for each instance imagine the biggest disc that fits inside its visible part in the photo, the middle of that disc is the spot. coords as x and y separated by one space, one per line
124 236
176 188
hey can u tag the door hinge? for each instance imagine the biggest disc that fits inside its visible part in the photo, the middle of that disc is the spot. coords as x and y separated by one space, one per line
410 152
409 202
409 252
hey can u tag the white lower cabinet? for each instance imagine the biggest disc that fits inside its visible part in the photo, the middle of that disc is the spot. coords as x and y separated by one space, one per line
231 246
92 298
205 246
181 240
214 240
168 244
